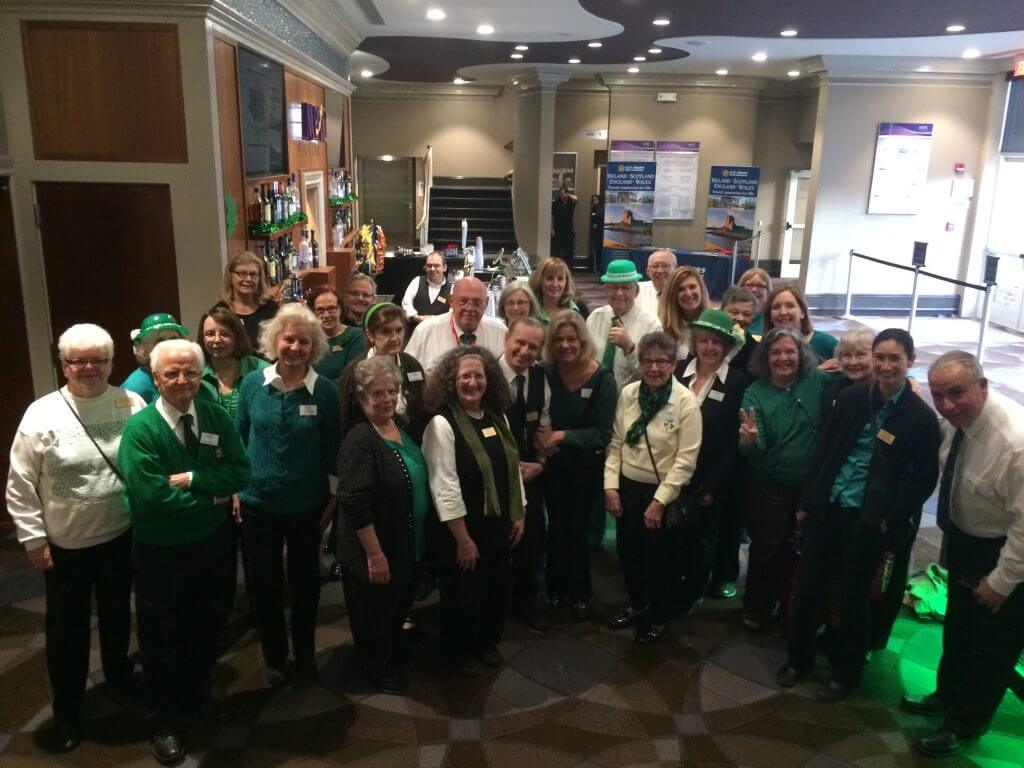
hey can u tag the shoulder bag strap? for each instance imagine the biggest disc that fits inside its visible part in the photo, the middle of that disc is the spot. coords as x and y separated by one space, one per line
74 413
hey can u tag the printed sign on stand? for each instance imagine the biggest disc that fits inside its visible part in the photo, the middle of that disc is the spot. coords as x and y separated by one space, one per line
732 199
629 205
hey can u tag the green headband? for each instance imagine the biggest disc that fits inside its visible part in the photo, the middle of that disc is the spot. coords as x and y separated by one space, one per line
374 308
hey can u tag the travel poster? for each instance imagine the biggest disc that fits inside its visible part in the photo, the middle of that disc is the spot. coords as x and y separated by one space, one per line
732 198
629 205
631 151
675 189
900 174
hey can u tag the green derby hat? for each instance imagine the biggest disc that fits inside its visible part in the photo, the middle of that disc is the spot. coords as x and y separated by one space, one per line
158 321
621 271
719 322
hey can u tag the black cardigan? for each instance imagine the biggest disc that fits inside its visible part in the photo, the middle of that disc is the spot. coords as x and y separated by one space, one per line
720 423
414 382
904 467
374 488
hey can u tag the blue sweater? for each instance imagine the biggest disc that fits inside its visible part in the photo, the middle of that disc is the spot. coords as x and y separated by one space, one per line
292 441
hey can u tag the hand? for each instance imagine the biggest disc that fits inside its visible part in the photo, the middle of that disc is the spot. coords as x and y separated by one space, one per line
466 554
652 515
39 558
548 441
619 336
530 470
328 513
748 428
988 597
613 503
706 499
236 508
180 480
829 366
378 568
801 516
516 534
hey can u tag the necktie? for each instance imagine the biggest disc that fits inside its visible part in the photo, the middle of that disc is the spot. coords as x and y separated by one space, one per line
519 412
608 358
191 443
946 485
468 339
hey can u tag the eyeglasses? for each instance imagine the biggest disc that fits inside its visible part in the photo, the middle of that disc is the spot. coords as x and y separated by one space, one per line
627 288
188 376
246 275
220 333
327 310
658 362
81 362
434 266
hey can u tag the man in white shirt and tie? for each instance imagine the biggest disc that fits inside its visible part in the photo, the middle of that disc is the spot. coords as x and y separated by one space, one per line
660 266
981 510
465 324
428 296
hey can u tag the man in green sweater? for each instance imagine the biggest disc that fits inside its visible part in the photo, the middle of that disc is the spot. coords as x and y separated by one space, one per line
182 459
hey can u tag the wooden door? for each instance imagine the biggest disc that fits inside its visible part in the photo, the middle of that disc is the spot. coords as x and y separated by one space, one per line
18 370
109 258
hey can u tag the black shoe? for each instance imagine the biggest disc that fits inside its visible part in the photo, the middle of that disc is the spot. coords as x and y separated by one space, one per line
390 681
302 672
788 675
651 634
928 705
66 736
945 743
469 668
211 710
580 610
336 571
626 618
833 691
491 657
168 748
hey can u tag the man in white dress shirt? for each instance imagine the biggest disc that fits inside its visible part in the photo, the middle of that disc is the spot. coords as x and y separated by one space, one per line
616 328
981 510
427 296
660 265
465 324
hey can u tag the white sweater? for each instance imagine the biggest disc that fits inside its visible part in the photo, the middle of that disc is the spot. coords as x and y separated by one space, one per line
59 488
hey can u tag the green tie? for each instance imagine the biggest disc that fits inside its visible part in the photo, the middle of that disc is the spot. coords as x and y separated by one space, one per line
608 358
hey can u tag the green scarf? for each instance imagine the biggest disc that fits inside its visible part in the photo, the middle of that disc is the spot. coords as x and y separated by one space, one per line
492 505
650 404
608 356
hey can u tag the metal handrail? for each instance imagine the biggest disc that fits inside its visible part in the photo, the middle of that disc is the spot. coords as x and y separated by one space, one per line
423 224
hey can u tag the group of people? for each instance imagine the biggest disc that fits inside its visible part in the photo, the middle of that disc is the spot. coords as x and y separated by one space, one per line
483 451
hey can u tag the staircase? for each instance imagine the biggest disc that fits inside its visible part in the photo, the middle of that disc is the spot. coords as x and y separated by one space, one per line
486 204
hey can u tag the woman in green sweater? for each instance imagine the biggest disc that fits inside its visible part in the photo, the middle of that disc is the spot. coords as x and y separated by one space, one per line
344 342
288 419
229 358
779 419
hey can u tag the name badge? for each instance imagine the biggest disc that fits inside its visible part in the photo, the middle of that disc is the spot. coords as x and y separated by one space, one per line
209 438
442 299
586 393
886 436
337 348
122 402
714 394
415 376
489 432
307 410
532 416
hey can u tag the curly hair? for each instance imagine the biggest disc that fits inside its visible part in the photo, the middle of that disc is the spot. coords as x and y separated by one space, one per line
440 393
758 365
292 314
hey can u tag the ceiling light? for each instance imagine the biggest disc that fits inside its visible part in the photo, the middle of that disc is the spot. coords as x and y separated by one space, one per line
522 47
387 158
633 70
366 73
594 44
574 60
516 56
436 14
639 58
654 51
788 33
794 73
971 53
955 28
485 29
459 81
760 56
722 71
661 22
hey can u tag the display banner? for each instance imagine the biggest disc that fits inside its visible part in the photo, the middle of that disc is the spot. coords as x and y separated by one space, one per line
675 189
632 151
629 205
563 171
901 167
732 198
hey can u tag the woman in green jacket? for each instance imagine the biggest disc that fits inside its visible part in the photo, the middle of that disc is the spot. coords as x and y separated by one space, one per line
229 358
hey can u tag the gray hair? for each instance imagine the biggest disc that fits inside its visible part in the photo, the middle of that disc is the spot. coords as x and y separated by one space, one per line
372 368
84 336
356 277
958 357
675 261
292 314
758 365
738 295
656 340
855 338
176 345
512 288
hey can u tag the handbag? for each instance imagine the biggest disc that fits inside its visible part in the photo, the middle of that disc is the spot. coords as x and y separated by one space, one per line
681 514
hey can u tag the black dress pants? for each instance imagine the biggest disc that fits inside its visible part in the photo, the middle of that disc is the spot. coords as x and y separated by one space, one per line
696 552
979 648
180 594
645 553
266 537
772 517
473 603
527 554
570 494
105 568
725 565
834 542
375 616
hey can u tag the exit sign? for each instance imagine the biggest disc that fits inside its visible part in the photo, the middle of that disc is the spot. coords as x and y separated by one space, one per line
1018 66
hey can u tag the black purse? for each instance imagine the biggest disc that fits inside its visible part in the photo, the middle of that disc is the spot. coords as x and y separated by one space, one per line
681 514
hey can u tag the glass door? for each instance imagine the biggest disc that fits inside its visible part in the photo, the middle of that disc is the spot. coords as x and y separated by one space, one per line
796 219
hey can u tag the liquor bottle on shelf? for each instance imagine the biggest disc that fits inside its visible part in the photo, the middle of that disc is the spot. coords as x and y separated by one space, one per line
293 197
268 205
282 209
297 294
314 249
302 250
291 254
335 187
271 263
255 207
338 232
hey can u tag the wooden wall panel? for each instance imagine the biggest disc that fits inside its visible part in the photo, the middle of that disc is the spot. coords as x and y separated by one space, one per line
230 140
105 91
304 155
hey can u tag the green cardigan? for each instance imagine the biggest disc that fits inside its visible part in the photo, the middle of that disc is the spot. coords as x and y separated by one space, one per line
209 388
150 452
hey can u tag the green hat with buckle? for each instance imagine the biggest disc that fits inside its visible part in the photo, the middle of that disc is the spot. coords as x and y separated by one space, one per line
721 323
621 271
158 321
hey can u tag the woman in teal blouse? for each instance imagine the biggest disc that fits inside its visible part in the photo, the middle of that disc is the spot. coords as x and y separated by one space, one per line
344 342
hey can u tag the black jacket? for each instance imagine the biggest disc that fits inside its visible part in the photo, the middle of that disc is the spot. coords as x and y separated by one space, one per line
904 467
414 382
742 358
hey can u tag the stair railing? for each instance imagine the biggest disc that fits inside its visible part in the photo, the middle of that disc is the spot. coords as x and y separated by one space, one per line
428 182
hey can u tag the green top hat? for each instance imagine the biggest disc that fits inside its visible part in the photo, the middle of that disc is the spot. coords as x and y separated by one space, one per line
721 323
158 321
621 271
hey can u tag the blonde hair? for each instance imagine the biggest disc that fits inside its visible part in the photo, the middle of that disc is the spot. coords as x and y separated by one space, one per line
227 293
292 314
536 281
669 314
575 319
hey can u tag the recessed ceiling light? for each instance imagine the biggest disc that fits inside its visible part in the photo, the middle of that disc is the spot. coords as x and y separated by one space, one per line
485 29
436 14
794 73
633 70
788 33
722 71
574 60
971 53
594 44
516 56
522 47
459 81
661 22
639 58
387 158
924 68
955 28
654 51
760 56
366 73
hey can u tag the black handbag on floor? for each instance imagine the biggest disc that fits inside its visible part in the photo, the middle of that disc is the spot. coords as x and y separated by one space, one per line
681 514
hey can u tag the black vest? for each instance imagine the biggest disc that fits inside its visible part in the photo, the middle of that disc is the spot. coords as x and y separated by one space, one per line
423 304
524 422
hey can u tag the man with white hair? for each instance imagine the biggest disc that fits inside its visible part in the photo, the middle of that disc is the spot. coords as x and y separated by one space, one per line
182 460
660 265
464 325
